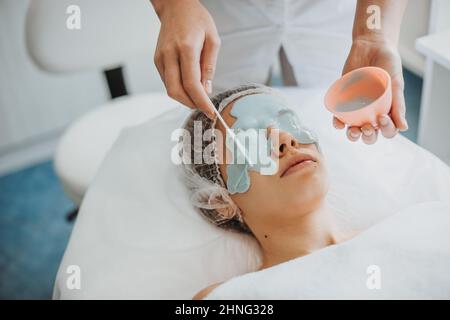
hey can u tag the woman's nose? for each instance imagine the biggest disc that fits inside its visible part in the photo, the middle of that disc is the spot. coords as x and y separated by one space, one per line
286 141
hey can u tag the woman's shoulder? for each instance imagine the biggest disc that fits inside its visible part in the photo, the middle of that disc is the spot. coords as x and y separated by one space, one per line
204 292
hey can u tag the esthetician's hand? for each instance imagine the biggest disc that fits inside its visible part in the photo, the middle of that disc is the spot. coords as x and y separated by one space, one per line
186 52
381 54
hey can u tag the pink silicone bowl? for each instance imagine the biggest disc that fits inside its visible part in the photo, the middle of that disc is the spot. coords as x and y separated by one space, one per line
360 96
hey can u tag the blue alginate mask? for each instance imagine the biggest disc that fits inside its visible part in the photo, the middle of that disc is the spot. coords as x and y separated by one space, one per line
259 111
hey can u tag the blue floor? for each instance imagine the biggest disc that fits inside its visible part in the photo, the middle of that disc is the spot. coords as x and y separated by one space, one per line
34 231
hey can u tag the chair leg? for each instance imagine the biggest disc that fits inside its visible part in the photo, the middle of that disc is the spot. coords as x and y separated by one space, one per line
70 217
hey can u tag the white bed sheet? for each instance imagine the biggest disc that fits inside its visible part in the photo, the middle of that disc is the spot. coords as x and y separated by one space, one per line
136 236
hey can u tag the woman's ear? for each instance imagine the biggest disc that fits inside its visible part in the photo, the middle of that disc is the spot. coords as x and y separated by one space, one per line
224 205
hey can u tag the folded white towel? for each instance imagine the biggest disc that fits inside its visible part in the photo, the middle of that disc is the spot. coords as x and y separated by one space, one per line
406 256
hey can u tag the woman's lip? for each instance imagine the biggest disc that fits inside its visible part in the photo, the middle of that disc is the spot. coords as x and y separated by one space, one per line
299 166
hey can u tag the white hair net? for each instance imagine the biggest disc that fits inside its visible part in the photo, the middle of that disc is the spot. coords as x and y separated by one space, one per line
207 189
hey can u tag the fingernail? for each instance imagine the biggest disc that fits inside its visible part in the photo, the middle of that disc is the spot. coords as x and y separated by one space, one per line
208 86
405 123
367 132
354 134
384 121
211 115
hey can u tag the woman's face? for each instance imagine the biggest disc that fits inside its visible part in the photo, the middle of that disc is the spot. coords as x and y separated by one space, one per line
297 188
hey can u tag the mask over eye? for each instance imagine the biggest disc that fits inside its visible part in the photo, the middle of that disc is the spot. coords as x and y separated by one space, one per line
254 114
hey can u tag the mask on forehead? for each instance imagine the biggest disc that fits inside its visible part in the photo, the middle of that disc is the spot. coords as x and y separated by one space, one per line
260 111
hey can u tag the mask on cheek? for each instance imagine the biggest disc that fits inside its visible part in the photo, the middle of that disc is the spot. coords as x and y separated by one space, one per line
254 114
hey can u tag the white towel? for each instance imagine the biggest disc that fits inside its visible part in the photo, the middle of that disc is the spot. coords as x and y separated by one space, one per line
406 256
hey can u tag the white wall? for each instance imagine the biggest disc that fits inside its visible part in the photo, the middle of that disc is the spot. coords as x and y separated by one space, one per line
414 25
434 132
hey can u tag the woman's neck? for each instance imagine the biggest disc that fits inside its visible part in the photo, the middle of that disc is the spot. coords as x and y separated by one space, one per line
315 230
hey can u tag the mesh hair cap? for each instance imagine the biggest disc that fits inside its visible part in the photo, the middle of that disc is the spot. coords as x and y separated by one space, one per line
207 189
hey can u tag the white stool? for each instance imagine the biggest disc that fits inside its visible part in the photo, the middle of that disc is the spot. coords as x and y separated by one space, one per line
86 142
